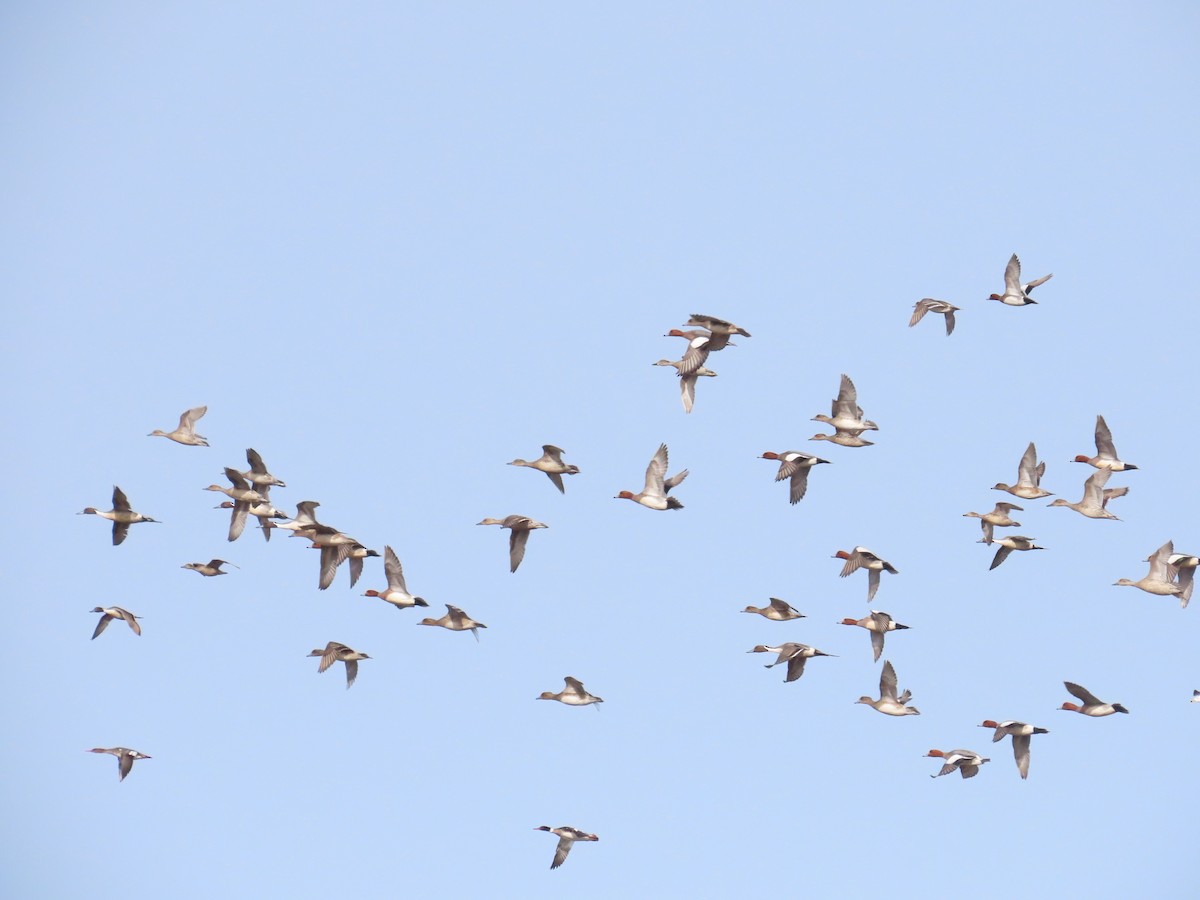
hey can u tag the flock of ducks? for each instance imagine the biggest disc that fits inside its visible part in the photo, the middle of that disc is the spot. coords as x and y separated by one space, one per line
248 493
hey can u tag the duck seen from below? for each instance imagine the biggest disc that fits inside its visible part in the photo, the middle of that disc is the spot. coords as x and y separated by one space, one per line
843 439
967 762
654 494
121 515
1106 454
1029 477
687 382
1008 544
551 463
1021 734
107 614
241 489
997 518
700 344
929 305
305 519
519 528
777 611
573 694
794 465
209 569
263 511
878 624
125 758
258 474
185 431
847 416
396 593
862 558
1015 293
1158 580
1092 705
720 328
335 652
455 620
795 655
889 703
567 836
1095 497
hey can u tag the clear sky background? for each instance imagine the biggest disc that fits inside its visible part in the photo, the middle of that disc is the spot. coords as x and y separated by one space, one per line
393 246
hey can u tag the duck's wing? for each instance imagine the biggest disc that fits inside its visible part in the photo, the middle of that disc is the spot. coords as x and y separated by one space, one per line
1027 471
675 480
1012 276
881 619
1112 494
105 618
1001 556
120 501
919 309
789 461
236 479
1093 488
560 854
846 403
1160 567
306 512
552 452
1082 693
785 607
795 667
872 583
356 567
656 471
687 391
558 482
695 357
257 466
877 644
237 520
1021 753
575 686
330 656
187 421
120 531
331 558
517 539
949 322
1186 581
351 671
393 570
130 619
798 486
853 562
887 681
125 764
1104 440
1031 285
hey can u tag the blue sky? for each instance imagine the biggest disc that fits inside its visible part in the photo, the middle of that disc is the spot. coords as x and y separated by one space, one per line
393 247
